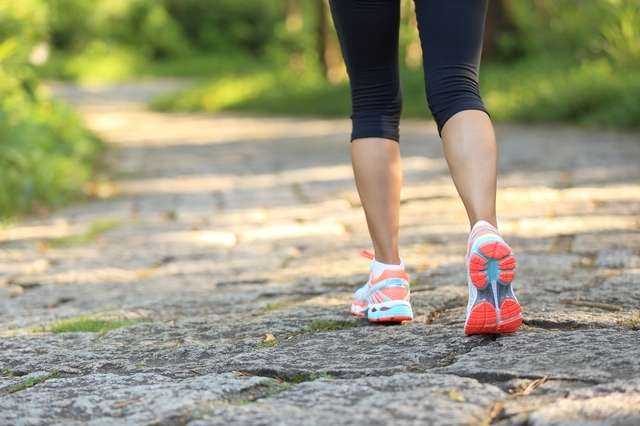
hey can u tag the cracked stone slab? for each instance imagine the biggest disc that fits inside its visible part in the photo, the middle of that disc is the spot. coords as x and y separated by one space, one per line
100 399
616 403
407 399
359 351
231 228
594 356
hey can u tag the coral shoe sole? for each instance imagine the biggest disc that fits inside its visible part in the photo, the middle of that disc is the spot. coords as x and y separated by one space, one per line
493 307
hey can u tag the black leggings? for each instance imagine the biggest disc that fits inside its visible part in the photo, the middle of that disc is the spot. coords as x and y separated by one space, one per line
451 36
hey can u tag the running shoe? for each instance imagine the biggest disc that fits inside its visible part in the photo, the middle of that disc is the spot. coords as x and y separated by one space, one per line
492 308
384 298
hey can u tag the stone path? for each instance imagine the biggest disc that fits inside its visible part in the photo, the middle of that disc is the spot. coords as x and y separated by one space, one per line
223 230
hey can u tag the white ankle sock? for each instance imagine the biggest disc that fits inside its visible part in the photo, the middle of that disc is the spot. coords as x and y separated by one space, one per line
483 223
377 268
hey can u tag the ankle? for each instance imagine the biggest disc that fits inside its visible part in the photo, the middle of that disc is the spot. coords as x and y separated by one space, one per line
388 257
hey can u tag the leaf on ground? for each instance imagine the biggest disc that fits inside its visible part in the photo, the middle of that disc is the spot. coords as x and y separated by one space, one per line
530 387
124 404
453 394
242 374
497 409
268 337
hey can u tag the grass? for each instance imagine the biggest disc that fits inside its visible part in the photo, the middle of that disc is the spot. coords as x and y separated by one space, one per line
32 381
7 371
316 325
525 327
325 324
117 65
274 306
301 378
541 89
87 324
323 375
631 323
95 231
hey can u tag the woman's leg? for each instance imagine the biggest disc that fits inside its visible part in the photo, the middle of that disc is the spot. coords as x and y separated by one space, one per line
368 31
470 150
378 174
451 35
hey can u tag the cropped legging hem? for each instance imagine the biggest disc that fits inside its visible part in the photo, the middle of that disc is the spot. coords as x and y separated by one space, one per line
456 108
374 128
451 37
371 128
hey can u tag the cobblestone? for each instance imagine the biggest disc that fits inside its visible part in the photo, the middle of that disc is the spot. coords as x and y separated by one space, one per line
219 230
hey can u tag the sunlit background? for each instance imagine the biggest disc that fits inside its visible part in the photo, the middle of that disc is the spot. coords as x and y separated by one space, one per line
551 61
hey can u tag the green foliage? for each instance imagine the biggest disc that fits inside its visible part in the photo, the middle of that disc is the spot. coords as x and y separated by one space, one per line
622 35
538 90
112 40
46 154
226 26
264 89
583 29
96 28
24 20
542 88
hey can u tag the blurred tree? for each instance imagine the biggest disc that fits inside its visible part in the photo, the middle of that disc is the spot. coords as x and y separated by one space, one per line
328 47
321 37
497 23
227 26
293 16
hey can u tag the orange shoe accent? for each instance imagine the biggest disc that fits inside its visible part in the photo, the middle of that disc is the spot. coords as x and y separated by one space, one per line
508 262
384 298
482 319
395 293
389 274
510 308
477 263
495 250
479 279
507 276
477 270
509 326
511 311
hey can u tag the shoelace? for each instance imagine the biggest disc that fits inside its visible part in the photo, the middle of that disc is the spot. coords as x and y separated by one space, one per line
367 254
